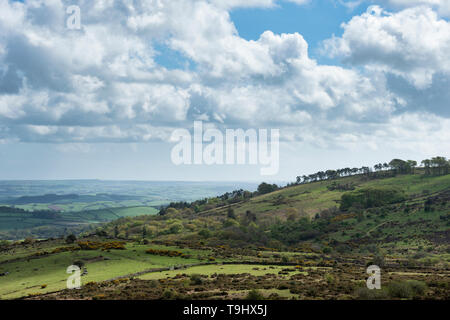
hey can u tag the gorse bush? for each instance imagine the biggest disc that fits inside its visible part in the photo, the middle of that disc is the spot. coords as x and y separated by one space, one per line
92 245
167 253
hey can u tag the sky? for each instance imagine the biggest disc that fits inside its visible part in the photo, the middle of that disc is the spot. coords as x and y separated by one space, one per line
346 82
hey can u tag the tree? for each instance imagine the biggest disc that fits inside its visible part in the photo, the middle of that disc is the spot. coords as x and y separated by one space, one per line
401 166
370 197
427 164
305 179
412 165
440 164
436 166
264 188
378 167
71 238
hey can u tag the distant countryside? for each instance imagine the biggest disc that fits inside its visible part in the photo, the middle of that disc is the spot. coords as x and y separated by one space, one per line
309 239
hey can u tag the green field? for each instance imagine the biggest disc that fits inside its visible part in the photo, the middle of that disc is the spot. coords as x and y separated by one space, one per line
27 275
208 270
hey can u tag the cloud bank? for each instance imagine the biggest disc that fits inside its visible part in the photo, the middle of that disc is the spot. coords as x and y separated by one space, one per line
103 83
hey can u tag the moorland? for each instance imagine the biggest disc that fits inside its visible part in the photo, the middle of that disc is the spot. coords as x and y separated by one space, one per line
310 239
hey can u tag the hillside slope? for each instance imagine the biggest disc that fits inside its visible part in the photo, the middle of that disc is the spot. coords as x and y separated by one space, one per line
308 241
308 212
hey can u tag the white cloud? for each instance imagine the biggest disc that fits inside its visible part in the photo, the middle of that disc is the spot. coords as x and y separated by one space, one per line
103 83
443 6
413 43
230 4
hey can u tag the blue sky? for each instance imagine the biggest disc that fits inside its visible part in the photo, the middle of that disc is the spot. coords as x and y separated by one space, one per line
347 83
316 21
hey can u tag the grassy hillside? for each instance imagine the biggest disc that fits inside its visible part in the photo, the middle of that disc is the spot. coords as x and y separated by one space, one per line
298 242
314 207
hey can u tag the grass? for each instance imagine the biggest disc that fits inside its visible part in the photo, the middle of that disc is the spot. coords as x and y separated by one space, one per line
394 232
208 270
27 278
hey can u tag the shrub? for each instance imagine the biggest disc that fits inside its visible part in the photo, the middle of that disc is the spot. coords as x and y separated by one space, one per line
196 279
205 233
101 233
4 243
371 197
168 253
254 295
172 211
330 279
400 290
367 294
419 255
343 248
168 294
175 228
71 239
79 263
326 250
92 245
379 260
231 214
28 241
230 223
418 287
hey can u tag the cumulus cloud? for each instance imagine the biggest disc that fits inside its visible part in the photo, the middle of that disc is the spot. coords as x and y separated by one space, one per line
103 83
443 6
413 43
